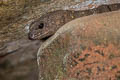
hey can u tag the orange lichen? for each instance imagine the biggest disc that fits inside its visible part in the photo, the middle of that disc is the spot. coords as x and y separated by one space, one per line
96 62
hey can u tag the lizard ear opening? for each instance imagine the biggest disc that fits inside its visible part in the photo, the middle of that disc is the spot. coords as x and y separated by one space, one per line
41 25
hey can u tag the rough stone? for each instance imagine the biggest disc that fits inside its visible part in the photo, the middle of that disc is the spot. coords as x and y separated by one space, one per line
18 62
87 48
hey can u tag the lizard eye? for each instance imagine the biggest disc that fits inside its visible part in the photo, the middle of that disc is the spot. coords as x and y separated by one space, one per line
41 25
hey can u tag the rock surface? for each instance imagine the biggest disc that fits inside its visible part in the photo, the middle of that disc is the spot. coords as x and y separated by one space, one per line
87 48
17 53
15 15
18 62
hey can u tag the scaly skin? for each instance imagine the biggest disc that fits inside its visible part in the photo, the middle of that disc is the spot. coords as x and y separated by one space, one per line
49 23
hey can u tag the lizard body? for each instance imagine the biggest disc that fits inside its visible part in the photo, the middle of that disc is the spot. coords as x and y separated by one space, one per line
49 23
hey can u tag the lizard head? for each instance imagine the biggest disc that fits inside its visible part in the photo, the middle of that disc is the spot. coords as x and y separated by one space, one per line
40 28
46 25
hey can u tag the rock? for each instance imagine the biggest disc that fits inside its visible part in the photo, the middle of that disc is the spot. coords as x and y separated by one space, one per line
18 55
18 60
87 48
12 9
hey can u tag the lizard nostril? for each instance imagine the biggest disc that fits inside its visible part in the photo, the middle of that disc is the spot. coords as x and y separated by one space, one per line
41 25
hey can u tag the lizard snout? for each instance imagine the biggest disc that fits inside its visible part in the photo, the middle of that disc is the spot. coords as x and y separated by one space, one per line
31 36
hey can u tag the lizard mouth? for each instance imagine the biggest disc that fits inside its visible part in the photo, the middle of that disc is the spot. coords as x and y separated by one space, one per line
36 35
31 36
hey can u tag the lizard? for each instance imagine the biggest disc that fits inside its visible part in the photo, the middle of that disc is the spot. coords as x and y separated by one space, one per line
49 23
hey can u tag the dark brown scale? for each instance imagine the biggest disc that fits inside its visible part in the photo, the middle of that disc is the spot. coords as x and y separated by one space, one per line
49 23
